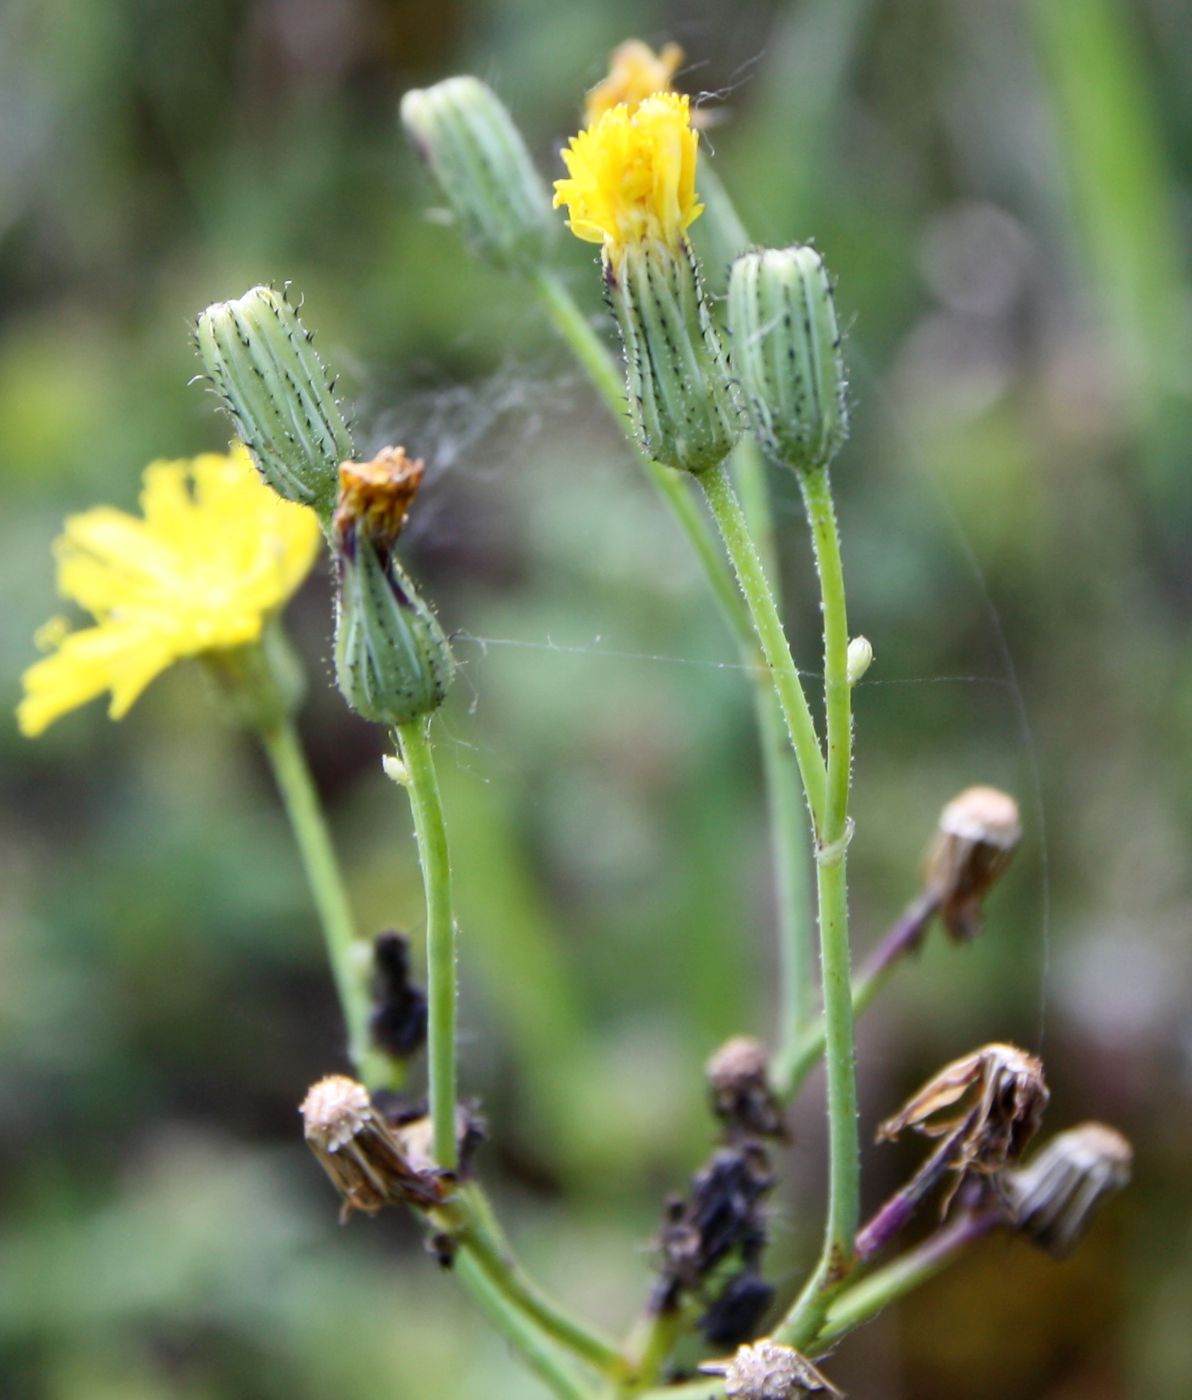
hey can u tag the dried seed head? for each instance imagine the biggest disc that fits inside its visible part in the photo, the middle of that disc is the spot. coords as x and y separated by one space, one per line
739 1081
991 1102
978 834
768 1371
362 1155
375 497
1055 1195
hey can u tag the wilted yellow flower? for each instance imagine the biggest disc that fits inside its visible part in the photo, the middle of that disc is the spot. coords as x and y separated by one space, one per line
632 176
216 552
635 72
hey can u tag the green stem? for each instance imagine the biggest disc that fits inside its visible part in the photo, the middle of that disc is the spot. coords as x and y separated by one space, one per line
349 956
538 1353
431 832
788 817
726 511
792 1066
576 330
469 1220
865 1299
844 1158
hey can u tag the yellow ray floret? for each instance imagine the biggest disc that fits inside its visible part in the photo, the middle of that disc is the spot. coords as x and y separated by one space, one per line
214 553
632 175
635 72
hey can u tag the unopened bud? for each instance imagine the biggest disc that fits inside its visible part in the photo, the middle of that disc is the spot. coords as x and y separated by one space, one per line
477 156
1053 1198
990 1102
738 1077
768 1371
262 365
978 834
680 401
860 658
785 351
361 1154
392 661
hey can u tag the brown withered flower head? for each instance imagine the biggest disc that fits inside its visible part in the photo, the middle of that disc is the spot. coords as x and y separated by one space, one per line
769 1371
978 833
738 1077
366 1159
1052 1199
989 1104
375 496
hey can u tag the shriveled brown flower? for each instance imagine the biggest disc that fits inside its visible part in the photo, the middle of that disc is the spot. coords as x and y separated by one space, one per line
1052 1199
978 833
367 1160
989 1103
767 1370
738 1077
375 496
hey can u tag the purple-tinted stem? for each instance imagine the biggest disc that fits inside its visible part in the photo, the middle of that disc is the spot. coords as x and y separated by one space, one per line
893 1217
902 938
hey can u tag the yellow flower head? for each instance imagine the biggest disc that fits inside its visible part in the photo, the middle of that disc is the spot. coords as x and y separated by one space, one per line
215 553
635 72
632 176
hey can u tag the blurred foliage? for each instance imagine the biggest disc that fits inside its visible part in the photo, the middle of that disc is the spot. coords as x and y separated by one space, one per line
998 190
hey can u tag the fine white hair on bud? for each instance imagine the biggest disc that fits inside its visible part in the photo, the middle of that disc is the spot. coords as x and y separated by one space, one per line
480 162
261 363
681 402
785 354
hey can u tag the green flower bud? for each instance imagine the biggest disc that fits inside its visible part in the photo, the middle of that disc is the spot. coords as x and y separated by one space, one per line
680 399
392 661
476 154
786 354
260 361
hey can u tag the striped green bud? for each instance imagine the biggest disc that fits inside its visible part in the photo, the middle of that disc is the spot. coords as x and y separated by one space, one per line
477 156
392 661
785 353
680 400
261 363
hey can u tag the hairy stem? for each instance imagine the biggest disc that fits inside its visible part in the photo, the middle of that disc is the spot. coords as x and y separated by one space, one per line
730 519
795 1062
349 956
600 367
469 1220
431 832
869 1296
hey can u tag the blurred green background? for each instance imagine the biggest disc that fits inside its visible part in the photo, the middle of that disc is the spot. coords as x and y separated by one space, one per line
1001 190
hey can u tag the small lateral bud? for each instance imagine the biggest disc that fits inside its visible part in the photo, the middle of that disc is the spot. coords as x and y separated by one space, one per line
768 1371
978 833
260 361
785 354
860 658
477 156
392 661
361 1154
1053 1198
738 1077
680 401
990 1103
